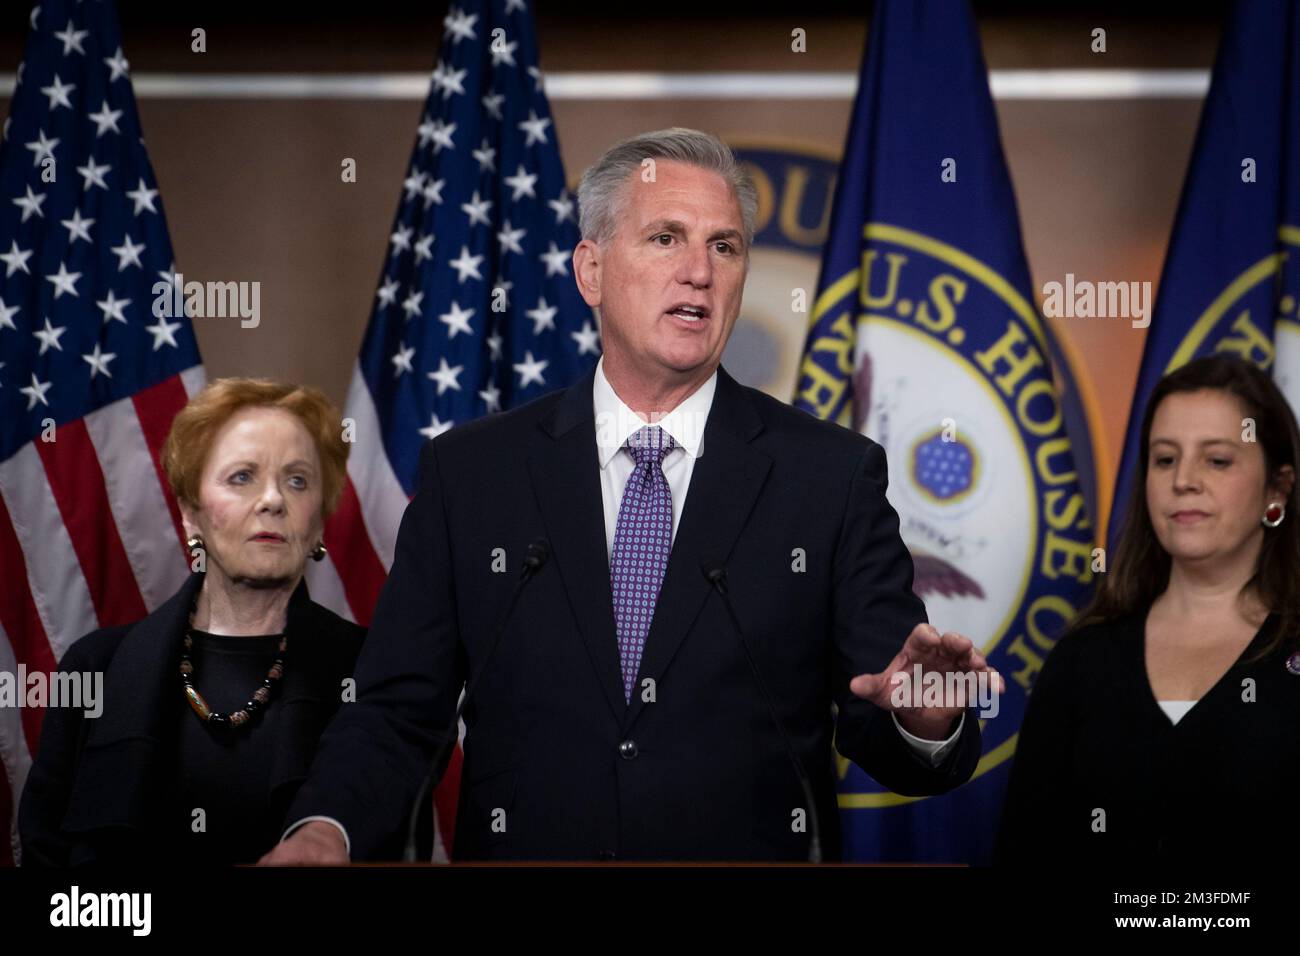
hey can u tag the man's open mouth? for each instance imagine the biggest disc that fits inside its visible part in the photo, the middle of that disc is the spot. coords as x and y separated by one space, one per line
689 313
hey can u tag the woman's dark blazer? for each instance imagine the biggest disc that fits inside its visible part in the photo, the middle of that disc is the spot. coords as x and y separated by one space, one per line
92 792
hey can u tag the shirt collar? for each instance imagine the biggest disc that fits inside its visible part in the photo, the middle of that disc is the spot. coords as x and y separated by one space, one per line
615 422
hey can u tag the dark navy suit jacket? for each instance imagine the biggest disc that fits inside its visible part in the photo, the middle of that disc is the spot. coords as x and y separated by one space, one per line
546 773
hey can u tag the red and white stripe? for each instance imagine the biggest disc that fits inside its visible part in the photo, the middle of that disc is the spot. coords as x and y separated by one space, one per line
90 537
362 533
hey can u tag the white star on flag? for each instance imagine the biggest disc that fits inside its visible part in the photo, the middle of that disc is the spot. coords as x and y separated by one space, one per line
15 259
485 155
477 210
402 360
459 25
401 239
535 128
588 339
556 260
143 197
164 333
105 120
530 370
521 184
93 175
112 307
457 320
466 265
58 93
36 392
446 375
433 193
118 64
563 207
435 427
49 336
128 254
72 39
99 362
411 304
31 203
387 293
423 249
64 281
503 52
543 316
77 227
42 148
413 184
441 135
509 238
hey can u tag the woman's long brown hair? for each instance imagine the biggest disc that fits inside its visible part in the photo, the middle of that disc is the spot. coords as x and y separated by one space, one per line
1139 571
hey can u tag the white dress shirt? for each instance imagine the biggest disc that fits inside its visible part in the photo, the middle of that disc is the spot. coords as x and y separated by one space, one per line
615 423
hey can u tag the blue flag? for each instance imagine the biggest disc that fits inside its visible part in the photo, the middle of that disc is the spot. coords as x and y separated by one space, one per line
924 336
1230 278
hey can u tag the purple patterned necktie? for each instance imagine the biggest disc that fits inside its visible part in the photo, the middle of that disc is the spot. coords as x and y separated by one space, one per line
643 537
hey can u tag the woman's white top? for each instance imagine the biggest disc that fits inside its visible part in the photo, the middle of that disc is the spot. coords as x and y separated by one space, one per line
1175 709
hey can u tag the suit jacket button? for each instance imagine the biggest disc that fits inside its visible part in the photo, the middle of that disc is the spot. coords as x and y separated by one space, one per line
627 749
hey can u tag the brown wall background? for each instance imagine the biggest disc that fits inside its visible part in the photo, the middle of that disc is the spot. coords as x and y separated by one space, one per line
252 191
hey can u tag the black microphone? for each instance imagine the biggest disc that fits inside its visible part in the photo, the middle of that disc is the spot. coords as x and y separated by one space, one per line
539 552
716 575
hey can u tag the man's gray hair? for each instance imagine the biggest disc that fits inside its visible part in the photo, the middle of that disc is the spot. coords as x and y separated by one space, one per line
602 191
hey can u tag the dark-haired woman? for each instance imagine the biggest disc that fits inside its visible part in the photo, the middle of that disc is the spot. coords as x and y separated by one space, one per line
1165 727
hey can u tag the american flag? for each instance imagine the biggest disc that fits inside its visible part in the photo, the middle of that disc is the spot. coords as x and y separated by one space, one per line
477 309
90 378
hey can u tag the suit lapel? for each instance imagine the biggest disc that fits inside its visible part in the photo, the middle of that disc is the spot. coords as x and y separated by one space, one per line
116 773
724 485
564 467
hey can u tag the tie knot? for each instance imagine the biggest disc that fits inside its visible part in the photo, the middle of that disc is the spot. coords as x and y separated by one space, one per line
649 445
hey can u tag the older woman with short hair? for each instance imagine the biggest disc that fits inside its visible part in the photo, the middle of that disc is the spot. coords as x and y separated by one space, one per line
214 702
1162 728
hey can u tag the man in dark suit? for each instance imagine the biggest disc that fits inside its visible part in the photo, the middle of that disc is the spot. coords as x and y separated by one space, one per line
693 525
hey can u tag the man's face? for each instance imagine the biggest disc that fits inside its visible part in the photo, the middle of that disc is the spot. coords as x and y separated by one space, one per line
668 283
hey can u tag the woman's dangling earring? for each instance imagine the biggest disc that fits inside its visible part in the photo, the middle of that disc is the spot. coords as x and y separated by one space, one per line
318 552
1273 515
193 543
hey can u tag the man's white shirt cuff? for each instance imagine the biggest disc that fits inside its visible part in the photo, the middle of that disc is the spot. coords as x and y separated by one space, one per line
346 841
936 750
